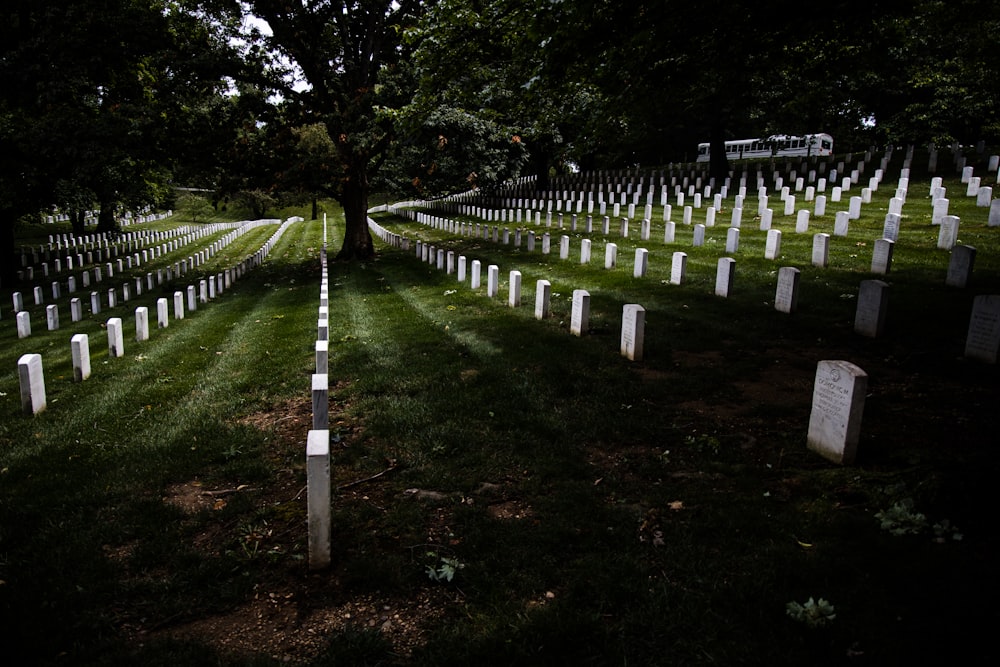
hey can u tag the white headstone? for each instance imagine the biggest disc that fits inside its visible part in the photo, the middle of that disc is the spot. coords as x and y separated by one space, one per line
765 219
821 250
641 262
698 239
820 209
492 280
80 346
178 305
724 274
983 340
543 299
580 316
32 381
786 295
142 323
890 228
882 256
52 316
948 233
610 256
994 217
23 324
318 498
939 211
322 357
873 301
772 247
838 405
802 222
321 400
671 227
514 290
963 257
475 279
116 344
841 223
678 268
633 331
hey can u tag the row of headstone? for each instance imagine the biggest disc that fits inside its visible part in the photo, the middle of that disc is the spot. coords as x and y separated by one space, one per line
161 277
633 317
318 486
30 372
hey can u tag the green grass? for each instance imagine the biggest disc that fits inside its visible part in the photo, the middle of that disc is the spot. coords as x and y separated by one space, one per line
606 512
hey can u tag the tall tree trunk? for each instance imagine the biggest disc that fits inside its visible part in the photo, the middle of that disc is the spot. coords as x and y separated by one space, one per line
76 220
315 207
354 198
106 220
718 162
10 261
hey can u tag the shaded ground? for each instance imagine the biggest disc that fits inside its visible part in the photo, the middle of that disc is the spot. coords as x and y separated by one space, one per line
914 408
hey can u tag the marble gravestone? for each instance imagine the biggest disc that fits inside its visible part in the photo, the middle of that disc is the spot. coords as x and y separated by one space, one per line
837 408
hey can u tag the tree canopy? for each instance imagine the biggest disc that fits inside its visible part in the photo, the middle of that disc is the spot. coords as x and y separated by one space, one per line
336 98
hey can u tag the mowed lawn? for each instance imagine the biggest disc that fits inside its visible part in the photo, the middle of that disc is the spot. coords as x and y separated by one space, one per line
591 510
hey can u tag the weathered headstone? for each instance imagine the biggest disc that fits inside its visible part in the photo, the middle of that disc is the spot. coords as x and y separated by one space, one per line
724 274
580 316
838 405
994 216
543 299
585 246
873 303
32 381
633 331
75 309
786 295
983 339
80 350
890 228
318 498
960 265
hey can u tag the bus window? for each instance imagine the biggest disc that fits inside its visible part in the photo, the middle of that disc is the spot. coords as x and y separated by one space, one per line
826 144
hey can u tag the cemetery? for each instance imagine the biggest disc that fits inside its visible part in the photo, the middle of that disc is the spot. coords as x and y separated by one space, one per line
521 332
727 399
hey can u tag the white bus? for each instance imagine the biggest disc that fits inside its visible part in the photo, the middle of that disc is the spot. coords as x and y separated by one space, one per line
777 145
